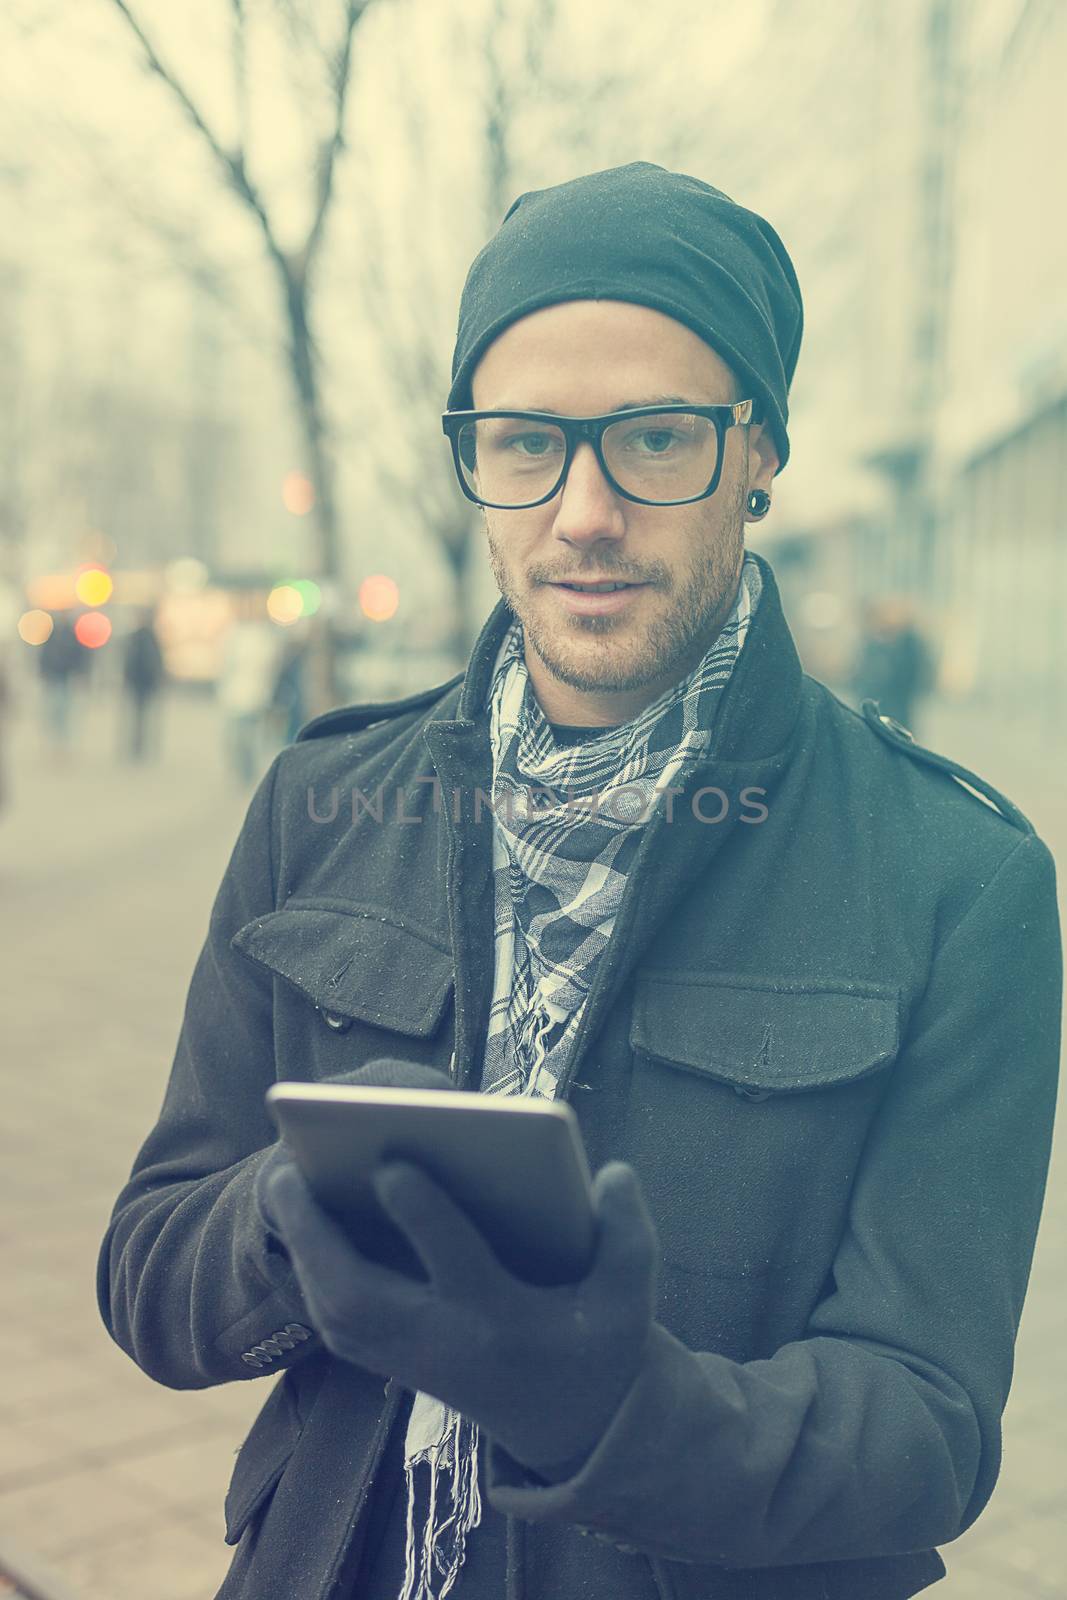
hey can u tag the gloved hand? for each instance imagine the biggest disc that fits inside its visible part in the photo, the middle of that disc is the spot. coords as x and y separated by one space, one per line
542 1370
384 1074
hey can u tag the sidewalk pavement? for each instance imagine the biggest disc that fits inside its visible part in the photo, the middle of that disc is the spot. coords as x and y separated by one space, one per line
110 1482
114 1485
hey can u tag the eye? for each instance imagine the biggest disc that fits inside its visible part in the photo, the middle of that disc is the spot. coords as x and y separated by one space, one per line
532 444
665 436
658 440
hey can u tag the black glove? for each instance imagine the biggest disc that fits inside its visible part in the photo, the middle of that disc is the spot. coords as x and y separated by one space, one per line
384 1074
542 1370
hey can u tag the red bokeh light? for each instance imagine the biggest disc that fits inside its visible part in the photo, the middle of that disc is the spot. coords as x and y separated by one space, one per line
92 629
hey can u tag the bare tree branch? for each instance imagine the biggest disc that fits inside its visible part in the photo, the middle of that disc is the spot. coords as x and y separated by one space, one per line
90 169
341 74
231 161
240 71
498 117
182 251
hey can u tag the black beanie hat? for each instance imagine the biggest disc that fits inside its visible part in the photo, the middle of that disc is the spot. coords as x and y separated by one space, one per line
656 238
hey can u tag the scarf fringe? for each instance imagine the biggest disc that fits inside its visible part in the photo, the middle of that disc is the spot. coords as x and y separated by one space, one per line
442 1546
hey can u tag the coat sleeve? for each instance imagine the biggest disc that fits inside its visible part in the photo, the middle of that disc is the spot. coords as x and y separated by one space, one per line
878 1432
188 1278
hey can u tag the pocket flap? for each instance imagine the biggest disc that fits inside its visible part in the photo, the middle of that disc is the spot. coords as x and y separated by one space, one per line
261 1460
357 961
774 1035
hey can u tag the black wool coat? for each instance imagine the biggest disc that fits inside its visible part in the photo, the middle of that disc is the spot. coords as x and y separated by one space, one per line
826 1035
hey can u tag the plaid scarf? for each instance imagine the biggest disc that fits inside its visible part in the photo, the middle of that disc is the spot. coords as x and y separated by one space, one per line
567 823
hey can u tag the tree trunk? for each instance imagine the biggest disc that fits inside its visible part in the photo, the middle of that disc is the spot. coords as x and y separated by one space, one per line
303 367
303 370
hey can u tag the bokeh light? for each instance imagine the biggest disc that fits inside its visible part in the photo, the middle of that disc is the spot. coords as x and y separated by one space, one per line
284 604
310 595
186 573
298 493
379 597
93 586
51 591
92 629
34 627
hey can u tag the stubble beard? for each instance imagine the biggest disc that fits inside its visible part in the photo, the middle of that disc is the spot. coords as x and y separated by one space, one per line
668 647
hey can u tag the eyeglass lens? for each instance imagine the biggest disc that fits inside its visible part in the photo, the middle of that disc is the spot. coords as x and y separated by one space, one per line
513 461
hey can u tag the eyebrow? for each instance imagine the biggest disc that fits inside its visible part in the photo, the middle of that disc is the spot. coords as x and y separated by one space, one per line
622 405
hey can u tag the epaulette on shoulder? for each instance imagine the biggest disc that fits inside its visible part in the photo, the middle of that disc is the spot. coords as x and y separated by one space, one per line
349 719
901 738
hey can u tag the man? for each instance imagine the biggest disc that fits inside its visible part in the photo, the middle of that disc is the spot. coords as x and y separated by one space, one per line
62 661
144 674
243 690
893 664
800 985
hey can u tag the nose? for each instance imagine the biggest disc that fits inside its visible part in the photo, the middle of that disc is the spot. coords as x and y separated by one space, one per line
589 508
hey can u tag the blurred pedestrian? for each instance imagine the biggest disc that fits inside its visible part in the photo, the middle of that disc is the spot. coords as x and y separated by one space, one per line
289 698
9 612
61 661
5 719
143 677
894 664
244 691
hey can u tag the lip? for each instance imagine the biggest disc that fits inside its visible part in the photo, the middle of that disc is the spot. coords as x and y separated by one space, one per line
587 603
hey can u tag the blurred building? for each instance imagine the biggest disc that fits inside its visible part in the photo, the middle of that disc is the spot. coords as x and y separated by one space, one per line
1001 468
909 158
851 159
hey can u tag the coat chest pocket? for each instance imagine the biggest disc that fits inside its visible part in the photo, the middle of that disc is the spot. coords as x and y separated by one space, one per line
367 972
750 1101
262 1459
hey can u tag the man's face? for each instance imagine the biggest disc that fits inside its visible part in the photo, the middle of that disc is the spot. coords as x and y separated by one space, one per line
609 655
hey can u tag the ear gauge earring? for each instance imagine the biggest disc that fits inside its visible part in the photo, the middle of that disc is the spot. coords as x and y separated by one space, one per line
759 503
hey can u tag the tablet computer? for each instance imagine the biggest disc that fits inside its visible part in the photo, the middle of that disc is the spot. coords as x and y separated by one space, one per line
516 1165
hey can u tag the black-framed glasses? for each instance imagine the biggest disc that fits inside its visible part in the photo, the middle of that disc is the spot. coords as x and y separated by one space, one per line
666 455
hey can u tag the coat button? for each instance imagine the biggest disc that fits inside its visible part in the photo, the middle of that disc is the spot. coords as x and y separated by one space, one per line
286 1338
751 1094
251 1360
334 1020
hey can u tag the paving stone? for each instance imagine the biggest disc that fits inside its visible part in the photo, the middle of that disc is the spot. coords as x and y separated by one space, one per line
37 1387
172 1561
32 1450
984 1583
186 1474
77 1509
